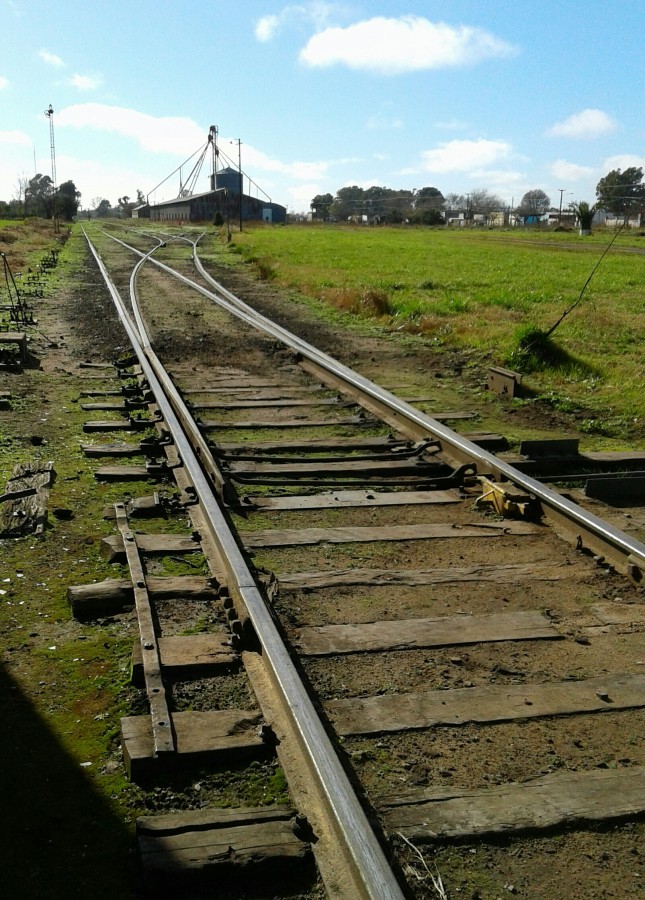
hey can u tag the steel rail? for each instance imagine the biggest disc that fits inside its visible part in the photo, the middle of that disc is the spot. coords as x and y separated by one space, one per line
628 549
627 546
218 482
368 869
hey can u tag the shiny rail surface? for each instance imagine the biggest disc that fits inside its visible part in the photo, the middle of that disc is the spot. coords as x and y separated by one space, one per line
368 869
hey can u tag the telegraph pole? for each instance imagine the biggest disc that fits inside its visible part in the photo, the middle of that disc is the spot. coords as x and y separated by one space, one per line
52 149
238 141
562 190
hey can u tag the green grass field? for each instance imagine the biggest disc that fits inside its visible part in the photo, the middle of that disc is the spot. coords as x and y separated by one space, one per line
478 290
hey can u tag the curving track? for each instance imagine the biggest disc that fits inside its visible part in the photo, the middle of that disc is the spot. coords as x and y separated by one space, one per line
430 670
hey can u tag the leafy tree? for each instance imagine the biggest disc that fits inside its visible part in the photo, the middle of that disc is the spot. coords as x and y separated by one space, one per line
14 209
621 192
39 197
534 203
125 206
102 208
321 205
429 198
429 216
141 198
388 205
349 201
67 198
585 214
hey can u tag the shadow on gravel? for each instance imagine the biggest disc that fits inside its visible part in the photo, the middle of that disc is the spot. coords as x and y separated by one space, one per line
60 840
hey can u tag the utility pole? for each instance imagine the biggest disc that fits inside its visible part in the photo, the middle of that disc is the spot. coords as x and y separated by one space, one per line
562 190
238 141
52 148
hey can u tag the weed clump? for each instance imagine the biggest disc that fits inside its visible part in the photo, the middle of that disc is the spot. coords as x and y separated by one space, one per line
367 302
534 350
266 269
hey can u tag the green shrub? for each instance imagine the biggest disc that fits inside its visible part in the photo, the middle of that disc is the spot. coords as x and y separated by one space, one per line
534 350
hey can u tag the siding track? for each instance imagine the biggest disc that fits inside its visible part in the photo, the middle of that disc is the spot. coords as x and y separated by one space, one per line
427 669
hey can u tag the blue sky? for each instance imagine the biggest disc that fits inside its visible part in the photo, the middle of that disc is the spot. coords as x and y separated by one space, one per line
507 95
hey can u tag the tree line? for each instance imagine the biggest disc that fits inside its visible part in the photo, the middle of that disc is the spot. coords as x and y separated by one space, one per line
37 197
618 192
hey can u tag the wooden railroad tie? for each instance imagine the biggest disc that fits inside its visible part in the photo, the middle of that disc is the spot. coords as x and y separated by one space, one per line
407 634
551 801
490 703
221 847
104 598
504 574
361 534
201 738
349 498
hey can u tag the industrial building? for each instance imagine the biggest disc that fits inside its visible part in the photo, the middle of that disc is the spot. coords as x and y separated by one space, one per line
225 199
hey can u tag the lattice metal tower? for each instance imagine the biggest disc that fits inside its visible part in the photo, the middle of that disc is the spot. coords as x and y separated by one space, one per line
52 149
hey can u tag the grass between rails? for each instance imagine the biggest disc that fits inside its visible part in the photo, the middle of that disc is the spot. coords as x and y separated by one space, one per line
479 290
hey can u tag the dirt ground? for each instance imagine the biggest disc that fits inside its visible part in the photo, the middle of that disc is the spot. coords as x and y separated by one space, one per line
77 323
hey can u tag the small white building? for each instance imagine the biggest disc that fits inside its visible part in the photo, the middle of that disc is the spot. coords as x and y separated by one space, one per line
634 220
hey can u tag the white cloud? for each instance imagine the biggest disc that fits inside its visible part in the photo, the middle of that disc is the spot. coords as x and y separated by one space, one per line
96 179
15 137
299 170
301 195
4 82
180 136
86 82
164 134
465 156
499 178
622 162
566 172
407 44
51 59
266 28
590 123
317 12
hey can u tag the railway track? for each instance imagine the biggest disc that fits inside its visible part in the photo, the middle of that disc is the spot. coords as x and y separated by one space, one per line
444 653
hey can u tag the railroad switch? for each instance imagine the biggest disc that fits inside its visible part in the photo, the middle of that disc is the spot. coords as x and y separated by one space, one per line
507 503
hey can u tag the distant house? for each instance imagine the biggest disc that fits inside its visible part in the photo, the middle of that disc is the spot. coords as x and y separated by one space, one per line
498 218
566 217
634 220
